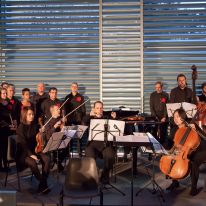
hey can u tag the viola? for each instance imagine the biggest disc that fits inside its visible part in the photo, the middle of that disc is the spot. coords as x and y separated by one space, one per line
176 164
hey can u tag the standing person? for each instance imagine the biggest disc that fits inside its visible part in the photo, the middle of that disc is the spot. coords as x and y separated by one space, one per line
26 143
25 102
97 148
158 101
75 99
6 128
182 93
37 99
196 158
14 102
52 100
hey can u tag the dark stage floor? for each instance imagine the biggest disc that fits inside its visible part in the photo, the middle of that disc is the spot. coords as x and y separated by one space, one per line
29 197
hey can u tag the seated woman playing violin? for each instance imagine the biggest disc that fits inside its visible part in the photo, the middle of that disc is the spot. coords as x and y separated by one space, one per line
196 156
26 143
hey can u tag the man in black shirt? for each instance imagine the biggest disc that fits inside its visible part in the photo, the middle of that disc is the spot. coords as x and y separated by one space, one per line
52 100
74 100
158 100
96 148
38 98
182 93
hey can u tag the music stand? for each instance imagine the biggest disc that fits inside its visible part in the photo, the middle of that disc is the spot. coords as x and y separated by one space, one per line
189 108
106 130
156 149
80 130
133 141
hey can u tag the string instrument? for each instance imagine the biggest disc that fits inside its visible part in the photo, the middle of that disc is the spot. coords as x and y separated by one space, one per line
134 118
201 106
39 137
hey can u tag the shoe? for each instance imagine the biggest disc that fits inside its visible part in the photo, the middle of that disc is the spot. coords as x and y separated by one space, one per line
175 184
43 188
193 191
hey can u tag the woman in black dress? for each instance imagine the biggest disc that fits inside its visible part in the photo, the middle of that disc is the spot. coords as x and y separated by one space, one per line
26 143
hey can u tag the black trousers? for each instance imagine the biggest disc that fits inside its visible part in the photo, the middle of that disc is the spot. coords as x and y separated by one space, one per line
97 149
197 158
3 150
32 164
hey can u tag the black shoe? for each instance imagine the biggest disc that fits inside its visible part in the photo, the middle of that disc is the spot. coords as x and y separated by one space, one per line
193 191
174 185
43 188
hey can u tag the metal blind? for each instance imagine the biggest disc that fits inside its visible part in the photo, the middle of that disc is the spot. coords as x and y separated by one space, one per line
56 42
174 40
121 53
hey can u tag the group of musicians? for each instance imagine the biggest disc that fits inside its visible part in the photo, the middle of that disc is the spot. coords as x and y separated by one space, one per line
43 113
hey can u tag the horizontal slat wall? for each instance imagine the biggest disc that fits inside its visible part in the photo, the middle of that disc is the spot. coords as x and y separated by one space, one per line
174 40
56 42
121 58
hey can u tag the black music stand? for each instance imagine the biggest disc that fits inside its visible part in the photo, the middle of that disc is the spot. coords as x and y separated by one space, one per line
156 149
133 141
80 130
57 141
105 130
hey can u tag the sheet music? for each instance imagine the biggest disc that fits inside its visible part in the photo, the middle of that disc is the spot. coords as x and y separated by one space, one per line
189 108
132 138
158 148
96 130
80 129
54 142
142 136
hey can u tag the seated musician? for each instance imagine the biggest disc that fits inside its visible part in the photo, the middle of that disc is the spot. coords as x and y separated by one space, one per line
54 125
97 148
26 143
196 157
202 97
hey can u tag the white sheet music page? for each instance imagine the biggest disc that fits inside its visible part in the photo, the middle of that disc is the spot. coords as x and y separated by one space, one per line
158 148
141 137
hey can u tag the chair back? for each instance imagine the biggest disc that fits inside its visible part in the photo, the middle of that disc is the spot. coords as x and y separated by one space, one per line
11 152
82 174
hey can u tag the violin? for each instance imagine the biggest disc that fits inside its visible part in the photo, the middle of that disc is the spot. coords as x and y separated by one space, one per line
134 118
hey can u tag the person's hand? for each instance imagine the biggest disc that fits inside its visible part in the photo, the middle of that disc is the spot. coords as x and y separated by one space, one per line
192 126
34 157
92 113
42 129
163 119
58 124
114 115
12 127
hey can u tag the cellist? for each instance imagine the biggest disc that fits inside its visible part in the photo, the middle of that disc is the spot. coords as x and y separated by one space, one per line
196 157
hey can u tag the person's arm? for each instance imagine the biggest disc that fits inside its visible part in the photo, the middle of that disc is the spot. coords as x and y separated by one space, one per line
172 96
153 114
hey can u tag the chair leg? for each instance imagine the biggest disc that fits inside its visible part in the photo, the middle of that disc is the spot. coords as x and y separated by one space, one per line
90 201
101 197
61 198
7 173
18 178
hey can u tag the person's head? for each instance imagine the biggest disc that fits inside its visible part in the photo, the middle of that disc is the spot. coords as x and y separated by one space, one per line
3 93
27 115
40 88
4 85
98 108
181 81
158 87
10 91
179 117
55 111
26 94
53 93
74 87
203 86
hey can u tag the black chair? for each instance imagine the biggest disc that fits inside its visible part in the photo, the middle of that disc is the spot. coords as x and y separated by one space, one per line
11 158
82 180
